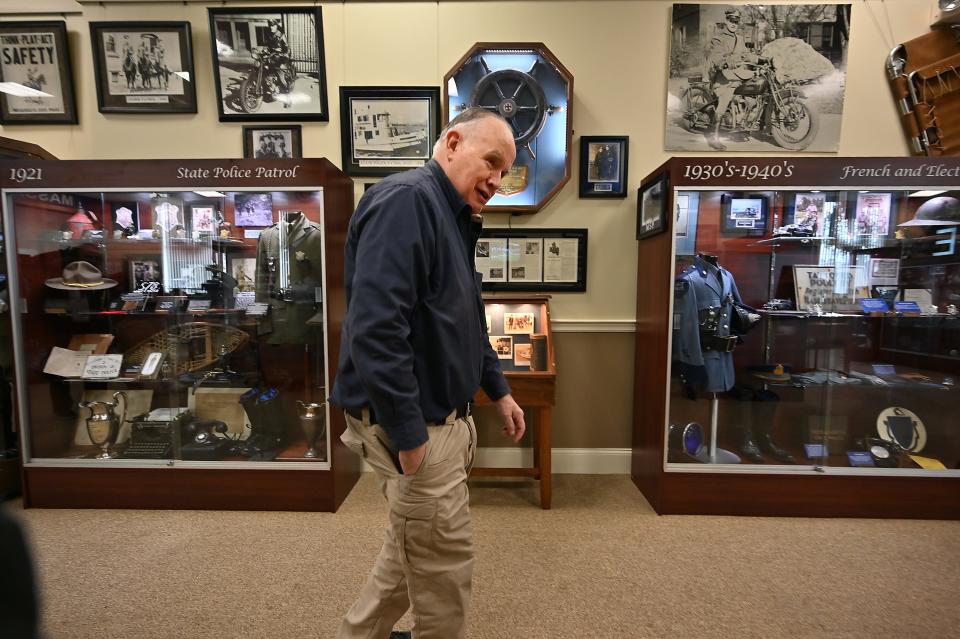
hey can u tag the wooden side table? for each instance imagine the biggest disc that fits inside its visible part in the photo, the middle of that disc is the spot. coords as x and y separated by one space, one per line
511 317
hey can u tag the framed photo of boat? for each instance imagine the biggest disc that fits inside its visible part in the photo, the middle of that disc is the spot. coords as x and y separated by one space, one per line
386 130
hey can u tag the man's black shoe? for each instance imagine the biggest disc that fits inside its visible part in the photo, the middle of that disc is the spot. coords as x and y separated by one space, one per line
401 634
750 450
771 448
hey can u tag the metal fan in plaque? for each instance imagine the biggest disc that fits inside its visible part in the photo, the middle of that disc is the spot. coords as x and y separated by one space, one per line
313 421
103 424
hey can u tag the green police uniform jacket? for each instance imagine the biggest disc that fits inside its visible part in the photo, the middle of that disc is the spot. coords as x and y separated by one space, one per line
289 278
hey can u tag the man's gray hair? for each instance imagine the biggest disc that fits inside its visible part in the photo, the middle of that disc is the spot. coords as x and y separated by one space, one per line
466 120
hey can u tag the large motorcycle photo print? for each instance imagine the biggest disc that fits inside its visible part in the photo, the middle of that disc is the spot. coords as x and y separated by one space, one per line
757 77
269 63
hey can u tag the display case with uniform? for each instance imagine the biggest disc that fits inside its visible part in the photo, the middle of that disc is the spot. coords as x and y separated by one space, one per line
800 317
171 326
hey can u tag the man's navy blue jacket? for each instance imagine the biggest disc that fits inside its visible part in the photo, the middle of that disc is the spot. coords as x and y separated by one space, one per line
414 344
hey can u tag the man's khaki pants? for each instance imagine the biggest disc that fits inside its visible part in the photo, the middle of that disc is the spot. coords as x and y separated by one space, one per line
426 561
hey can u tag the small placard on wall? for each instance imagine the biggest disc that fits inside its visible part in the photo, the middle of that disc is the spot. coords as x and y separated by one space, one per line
251 234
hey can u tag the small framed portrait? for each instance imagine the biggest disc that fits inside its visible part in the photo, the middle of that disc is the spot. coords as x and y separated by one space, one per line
522 353
518 323
253 209
386 130
809 213
873 214
502 345
35 61
603 166
144 271
126 219
272 142
652 207
203 220
268 63
743 214
144 67
244 270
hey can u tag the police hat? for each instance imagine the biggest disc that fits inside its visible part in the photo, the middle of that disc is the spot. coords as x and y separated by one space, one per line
732 15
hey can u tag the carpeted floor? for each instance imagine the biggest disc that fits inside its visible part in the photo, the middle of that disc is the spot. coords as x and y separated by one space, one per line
600 564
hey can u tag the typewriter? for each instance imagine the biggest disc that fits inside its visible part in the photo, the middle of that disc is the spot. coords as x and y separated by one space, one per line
151 435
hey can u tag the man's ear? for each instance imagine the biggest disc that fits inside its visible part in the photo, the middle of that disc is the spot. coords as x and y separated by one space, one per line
453 140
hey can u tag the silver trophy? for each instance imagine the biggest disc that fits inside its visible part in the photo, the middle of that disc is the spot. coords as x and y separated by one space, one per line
103 424
313 421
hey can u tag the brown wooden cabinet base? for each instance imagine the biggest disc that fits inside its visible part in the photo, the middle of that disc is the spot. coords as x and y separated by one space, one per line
184 488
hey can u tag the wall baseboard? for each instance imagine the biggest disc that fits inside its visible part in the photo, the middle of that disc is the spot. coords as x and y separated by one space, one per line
566 461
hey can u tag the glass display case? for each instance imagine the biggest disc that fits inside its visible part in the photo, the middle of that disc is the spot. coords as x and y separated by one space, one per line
162 329
813 331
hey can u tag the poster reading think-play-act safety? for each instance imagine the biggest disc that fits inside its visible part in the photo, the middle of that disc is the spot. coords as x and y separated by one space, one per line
31 60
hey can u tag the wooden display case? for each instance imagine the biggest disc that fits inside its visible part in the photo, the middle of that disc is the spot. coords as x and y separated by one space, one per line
216 285
841 366
519 329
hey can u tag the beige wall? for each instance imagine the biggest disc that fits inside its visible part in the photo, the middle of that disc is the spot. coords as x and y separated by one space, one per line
617 52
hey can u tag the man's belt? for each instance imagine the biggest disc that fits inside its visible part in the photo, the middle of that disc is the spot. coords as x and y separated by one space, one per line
714 343
463 410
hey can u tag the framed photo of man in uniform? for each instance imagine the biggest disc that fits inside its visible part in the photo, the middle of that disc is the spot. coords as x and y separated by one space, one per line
144 67
269 63
603 166
35 68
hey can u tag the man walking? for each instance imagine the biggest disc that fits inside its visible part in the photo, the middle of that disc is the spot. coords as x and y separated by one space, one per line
414 350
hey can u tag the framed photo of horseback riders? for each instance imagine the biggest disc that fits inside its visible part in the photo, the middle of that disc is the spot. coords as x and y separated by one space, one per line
35 67
268 63
144 67
603 166
386 130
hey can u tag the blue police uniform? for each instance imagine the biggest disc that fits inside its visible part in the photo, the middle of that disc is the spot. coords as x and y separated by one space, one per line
703 343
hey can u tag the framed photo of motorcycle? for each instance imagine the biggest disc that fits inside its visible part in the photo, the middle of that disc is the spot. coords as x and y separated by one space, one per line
603 166
757 77
269 63
144 67
35 66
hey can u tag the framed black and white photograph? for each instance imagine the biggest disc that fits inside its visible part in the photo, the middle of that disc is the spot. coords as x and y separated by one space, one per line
603 166
144 67
652 207
37 75
145 270
269 63
386 130
743 214
272 142
253 209
756 77
686 211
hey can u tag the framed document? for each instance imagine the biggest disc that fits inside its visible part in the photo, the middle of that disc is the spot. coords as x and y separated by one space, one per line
533 260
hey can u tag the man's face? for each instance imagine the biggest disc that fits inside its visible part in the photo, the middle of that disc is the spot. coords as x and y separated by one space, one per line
477 160
733 24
